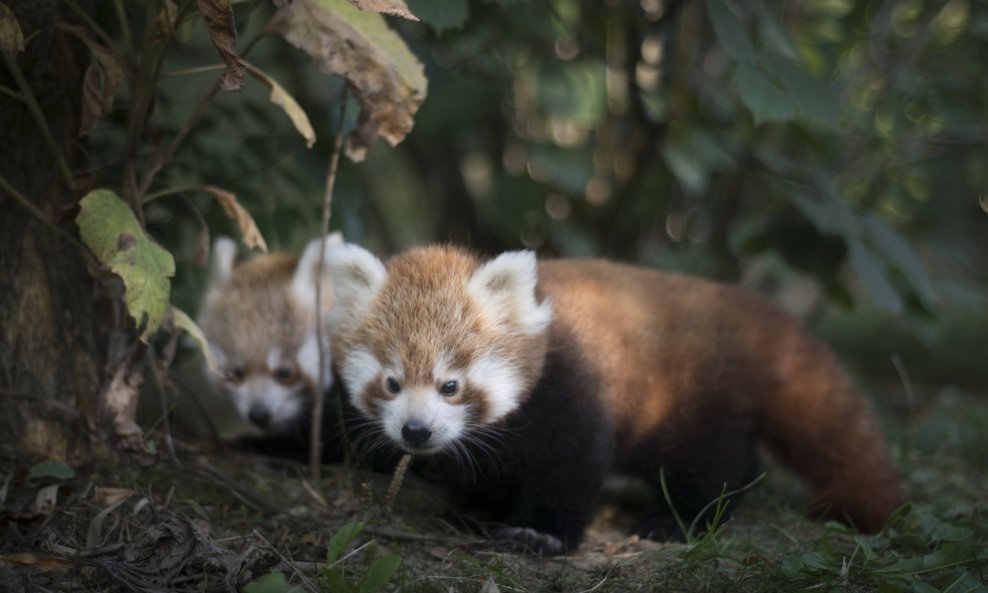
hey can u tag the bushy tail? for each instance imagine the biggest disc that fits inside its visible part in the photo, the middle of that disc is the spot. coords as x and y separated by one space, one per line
820 425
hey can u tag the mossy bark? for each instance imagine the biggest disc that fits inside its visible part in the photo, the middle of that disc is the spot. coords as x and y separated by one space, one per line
51 355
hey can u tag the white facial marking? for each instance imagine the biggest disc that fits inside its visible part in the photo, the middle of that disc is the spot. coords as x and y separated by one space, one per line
308 362
505 289
284 404
359 368
500 381
274 358
423 404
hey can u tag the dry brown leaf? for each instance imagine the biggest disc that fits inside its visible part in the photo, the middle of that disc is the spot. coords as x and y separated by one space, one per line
392 7
282 99
42 563
385 77
218 15
107 496
245 222
100 83
121 401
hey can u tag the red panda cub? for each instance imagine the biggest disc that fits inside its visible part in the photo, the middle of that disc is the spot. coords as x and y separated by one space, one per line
528 382
259 317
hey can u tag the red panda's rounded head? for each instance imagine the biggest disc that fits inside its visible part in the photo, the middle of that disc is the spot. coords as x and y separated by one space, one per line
259 317
436 343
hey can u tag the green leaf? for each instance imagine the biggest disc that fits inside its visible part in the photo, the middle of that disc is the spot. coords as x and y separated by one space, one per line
338 583
441 14
814 101
730 32
901 255
873 275
341 539
11 37
948 556
51 469
773 36
763 97
274 582
110 229
379 573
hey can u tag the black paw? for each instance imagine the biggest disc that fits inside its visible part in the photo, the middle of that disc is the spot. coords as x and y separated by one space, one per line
527 539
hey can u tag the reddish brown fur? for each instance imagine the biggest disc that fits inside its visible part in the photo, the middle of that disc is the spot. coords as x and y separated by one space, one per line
253 313
663 339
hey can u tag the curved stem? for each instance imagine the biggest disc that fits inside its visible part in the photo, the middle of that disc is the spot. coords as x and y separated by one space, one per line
39 118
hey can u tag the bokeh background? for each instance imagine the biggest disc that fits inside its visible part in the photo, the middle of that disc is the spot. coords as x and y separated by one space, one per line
832 154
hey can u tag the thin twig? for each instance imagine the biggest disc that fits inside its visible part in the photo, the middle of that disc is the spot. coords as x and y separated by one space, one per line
90 22
11 92
305 581
38 214
319 403
27 95
124 26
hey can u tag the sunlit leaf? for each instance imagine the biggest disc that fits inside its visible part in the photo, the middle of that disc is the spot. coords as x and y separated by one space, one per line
392 7
441 14
11 37
51 468
385 77
218 15
292 109
110 229
730 32
183 321
761 95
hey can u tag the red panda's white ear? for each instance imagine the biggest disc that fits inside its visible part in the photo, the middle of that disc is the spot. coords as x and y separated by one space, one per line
222 260
505 289
357 277
303 286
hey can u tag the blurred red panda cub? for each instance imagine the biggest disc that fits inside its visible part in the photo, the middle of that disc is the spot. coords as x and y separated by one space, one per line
526 382
259 316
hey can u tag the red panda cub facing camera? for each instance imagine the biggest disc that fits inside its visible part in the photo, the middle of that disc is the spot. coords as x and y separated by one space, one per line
526 383
259 316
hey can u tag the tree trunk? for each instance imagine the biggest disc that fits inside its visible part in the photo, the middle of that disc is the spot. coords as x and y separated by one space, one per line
50 355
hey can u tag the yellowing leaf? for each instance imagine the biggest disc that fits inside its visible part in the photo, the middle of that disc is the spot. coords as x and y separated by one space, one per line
392 7
180 319
251 234
385 77
11 37
282 99
218 15
110 229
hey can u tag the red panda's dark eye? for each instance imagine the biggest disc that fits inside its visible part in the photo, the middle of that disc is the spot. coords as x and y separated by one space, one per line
448 388
235 375
393 385
284 374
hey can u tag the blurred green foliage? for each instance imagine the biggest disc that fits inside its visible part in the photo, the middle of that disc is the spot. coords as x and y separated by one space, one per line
837 140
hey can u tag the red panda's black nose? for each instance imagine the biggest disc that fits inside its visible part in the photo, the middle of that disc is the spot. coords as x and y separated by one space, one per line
260 416
415 432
